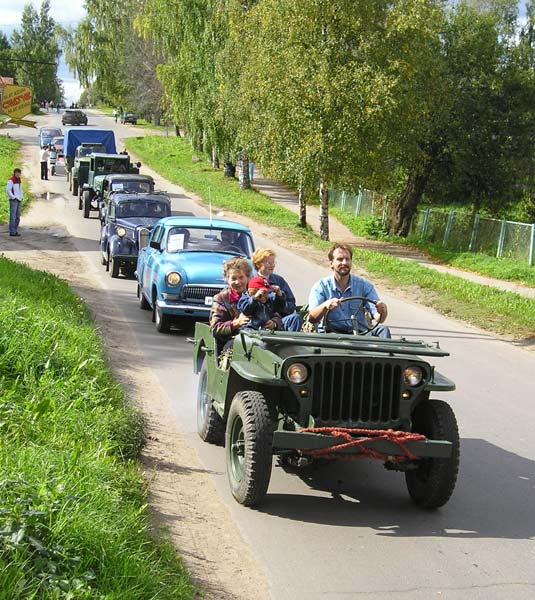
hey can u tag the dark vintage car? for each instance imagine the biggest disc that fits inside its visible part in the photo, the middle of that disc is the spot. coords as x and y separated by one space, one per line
105 185
129 220
181 269
128 117
46 134
74 117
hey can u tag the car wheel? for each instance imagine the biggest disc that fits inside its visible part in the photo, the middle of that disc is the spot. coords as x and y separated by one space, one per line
86 203
162 320
143 302
75 187
249 447
103 259
432 483
210 426
114 268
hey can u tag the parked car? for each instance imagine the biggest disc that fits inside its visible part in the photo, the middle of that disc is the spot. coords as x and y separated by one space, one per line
74 117
128 117
57 142
325 396
180 270
129 218
46 134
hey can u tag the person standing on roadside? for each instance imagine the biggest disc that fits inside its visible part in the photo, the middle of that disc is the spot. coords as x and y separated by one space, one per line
14 194
43 157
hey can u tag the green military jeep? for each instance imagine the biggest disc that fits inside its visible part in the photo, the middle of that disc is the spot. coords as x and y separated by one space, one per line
91 180
313 396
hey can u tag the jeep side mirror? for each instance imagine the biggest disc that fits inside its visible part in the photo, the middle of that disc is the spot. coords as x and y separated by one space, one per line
155 245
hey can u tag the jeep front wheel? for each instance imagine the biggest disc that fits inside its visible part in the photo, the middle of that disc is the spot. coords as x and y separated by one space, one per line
432 483
210 426
249 447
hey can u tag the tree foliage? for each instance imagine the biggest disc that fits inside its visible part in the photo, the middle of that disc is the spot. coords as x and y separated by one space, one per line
37 41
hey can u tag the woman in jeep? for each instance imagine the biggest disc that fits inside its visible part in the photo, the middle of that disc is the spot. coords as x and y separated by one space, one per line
225 318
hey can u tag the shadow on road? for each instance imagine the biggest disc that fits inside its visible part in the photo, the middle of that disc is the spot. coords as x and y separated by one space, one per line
493 498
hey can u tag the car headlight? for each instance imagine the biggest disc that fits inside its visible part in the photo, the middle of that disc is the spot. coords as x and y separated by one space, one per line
173 278
297 373
413 376
121 231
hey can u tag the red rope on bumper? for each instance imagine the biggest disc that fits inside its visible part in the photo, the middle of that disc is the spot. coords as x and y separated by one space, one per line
398 437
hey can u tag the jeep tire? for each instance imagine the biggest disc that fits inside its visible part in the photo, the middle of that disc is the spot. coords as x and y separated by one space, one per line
86 200
249 447
432 483
75 187
210 426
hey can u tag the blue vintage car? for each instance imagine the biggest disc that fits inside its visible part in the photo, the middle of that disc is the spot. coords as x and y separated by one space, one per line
128 221
181 269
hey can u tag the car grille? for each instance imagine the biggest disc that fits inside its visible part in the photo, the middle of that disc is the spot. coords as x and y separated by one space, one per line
197 293
346 392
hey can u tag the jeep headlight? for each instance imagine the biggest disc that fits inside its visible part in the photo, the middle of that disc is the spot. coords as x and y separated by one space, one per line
297 373
121 231
173 278
413 375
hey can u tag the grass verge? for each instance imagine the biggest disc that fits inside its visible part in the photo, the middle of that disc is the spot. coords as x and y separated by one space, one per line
485 307
73 517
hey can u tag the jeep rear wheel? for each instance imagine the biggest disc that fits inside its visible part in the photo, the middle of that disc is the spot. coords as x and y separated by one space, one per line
432 483
75 187
210 426
86 199
249 447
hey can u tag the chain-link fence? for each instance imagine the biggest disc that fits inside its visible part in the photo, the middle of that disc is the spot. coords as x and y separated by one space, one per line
456 230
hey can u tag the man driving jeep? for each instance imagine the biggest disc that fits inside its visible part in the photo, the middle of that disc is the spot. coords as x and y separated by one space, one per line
327 298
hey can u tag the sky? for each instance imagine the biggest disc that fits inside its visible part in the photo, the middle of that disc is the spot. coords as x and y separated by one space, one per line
65 12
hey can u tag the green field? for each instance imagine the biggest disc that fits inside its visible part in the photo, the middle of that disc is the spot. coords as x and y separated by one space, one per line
73 505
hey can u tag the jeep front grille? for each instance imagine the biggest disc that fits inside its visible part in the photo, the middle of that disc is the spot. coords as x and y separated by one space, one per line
346 392
198 293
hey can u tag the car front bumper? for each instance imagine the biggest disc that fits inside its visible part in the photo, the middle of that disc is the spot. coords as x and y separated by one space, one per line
180 309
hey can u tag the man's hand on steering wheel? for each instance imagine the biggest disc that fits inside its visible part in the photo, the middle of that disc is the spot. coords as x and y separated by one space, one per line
331 304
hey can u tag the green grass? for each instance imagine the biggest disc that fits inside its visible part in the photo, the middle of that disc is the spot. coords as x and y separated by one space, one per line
485 307
73 516
8 160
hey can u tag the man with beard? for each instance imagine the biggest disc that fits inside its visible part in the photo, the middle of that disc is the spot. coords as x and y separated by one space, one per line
328 293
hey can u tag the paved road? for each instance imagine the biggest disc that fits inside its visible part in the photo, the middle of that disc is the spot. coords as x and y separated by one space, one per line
350 531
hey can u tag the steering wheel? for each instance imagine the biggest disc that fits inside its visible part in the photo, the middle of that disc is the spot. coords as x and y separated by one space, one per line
353 318
232 248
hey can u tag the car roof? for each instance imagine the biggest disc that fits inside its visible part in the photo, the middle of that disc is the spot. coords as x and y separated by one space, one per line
128 177
123 196
116 156
203 222
43 129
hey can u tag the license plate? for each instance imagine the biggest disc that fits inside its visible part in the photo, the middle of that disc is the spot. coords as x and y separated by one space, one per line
208 300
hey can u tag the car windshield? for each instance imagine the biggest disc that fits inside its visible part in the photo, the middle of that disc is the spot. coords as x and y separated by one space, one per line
199 239
87 150
140 187
58 142
50 132
111 165
142 208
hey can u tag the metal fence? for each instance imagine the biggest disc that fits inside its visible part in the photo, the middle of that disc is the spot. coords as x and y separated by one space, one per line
454 229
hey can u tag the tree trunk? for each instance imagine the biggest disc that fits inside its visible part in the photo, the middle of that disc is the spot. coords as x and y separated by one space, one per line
177 131
215 158
302 208
324 211
245 182
229 170
404 209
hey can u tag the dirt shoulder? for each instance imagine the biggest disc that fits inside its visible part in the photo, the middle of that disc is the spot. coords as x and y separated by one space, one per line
183 500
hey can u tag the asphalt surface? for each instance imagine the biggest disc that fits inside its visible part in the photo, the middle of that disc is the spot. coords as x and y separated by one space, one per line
349 530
